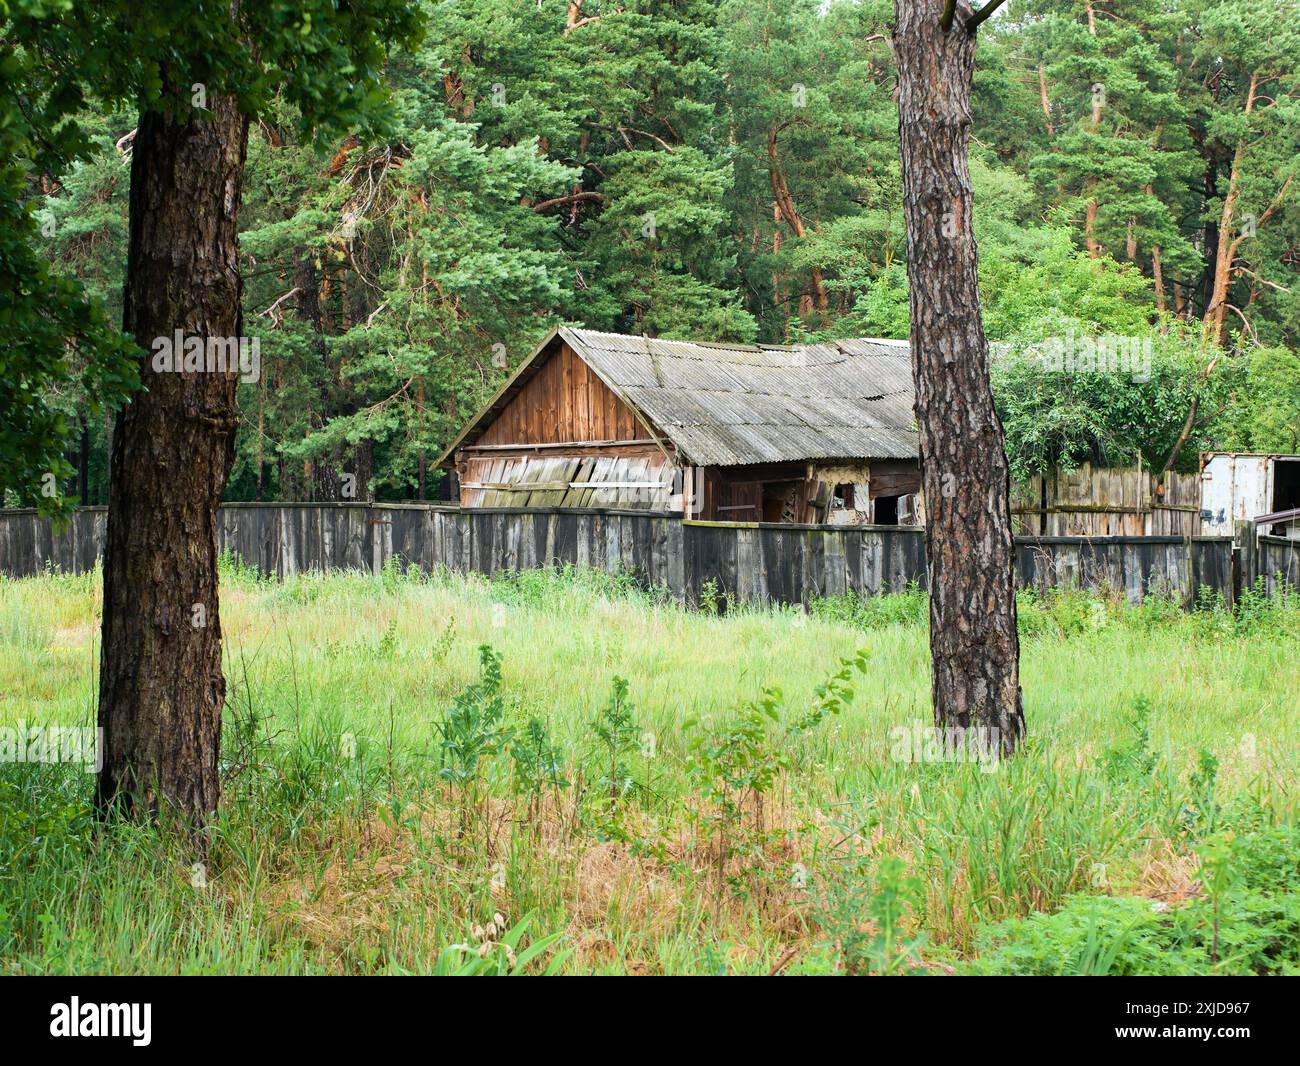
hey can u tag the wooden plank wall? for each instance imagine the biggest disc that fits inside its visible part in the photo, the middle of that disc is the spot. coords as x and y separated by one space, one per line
1277 561
490 540
1108 502
571 481
766 562
293 538
1176 509
1175 567
749 562
28 542
564 401
277 539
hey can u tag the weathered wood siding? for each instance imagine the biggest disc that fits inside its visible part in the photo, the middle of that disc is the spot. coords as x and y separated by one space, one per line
1277 561
633 479
746 562
563 401
1174 567
556 438
489 540
1107 502
289 539
777 563
277 539
28 542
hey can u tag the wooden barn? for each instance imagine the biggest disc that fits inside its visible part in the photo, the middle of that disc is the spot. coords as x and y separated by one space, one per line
819 433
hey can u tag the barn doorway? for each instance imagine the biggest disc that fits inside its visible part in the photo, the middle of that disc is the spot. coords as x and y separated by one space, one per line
781 501
1286 484
886 511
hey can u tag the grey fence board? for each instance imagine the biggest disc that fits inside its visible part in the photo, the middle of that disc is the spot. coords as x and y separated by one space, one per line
749 562
1176 567
28 542
1277 561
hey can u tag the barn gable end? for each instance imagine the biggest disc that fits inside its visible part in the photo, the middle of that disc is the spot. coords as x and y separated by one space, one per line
564 402
558 436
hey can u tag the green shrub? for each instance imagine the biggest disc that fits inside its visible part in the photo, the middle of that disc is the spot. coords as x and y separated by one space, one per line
1247 921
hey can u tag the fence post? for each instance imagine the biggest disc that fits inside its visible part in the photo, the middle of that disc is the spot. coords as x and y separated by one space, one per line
1246 549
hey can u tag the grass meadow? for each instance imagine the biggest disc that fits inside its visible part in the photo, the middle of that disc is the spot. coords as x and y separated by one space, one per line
621 785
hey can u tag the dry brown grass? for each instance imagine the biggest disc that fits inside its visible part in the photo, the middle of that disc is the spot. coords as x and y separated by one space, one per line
346 895
1167 874
343 894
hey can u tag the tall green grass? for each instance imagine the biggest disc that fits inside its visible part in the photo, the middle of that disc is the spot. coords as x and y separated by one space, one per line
342 848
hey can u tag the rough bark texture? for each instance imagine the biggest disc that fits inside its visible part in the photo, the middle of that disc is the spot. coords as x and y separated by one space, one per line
161 684
1090 212
973 641
1158 277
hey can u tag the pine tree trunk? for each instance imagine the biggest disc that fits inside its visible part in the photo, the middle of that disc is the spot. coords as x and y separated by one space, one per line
1090 212
786 208
1158 278
1044 102
1217 306
973 641
161 683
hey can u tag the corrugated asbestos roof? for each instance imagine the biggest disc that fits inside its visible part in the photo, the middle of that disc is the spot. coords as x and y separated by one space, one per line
727 404
731 404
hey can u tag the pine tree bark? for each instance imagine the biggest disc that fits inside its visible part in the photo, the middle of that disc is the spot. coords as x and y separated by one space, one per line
1044 102
974 646
161 682
1158 278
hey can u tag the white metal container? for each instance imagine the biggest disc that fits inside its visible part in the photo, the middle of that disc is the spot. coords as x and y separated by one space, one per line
1236 486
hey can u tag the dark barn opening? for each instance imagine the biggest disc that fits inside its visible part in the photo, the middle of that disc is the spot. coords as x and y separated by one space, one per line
886 510
1286 484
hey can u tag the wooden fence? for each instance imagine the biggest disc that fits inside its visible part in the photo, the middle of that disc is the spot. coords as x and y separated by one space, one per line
738 562
1175 567
1277 562
1107 502
768 562
487 540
